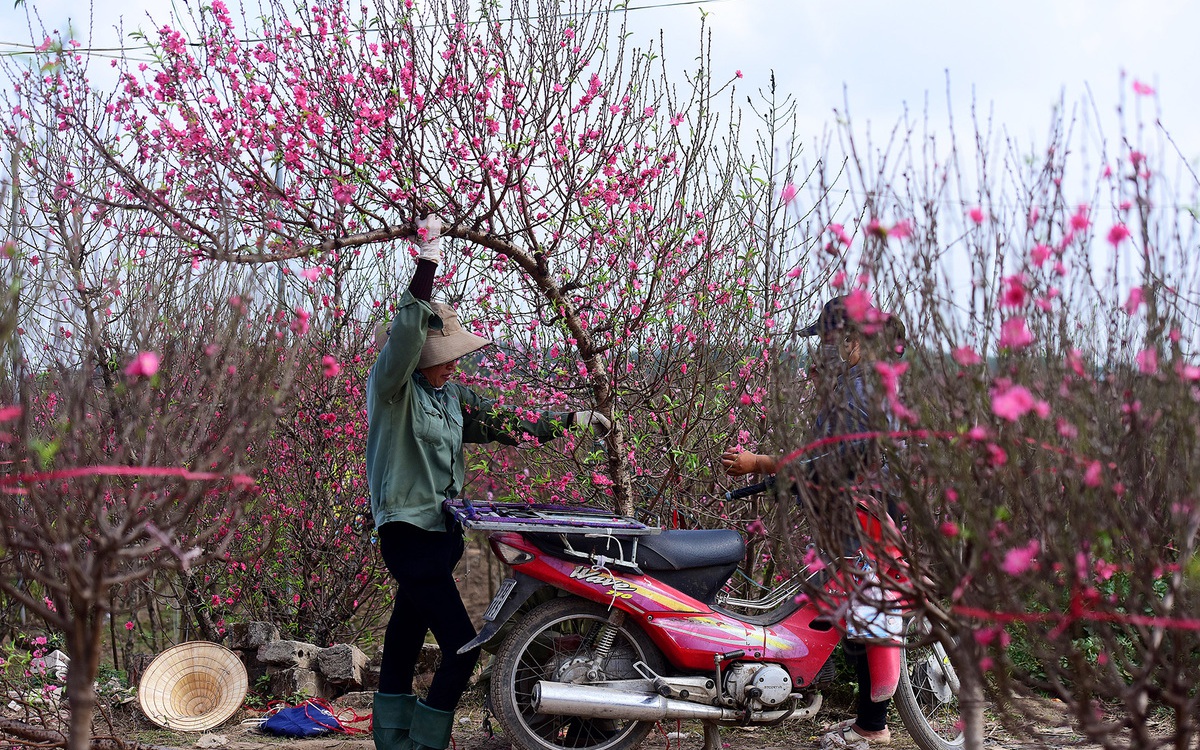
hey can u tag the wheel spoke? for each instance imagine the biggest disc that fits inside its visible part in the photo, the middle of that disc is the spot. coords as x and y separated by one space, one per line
928 695
562 648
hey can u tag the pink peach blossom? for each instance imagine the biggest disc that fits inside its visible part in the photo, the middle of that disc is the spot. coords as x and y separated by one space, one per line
889 376
1020 559
1039 254
858 305
901 230
299 324
1134 301
1014 334
144 365
1014 291
977 215
1147 361
1118 234
839 233
965 356
343 193
996 455
1080 220
1012 402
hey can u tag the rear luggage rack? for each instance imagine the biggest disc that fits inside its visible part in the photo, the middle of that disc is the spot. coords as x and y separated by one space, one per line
562 520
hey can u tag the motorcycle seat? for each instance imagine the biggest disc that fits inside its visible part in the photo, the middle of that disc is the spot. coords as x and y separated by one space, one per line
679 549
695 561
684 549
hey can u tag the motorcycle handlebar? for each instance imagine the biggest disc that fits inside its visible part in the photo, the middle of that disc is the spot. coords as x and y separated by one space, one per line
753 489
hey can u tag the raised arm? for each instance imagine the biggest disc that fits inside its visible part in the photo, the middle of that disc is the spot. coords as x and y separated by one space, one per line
401 351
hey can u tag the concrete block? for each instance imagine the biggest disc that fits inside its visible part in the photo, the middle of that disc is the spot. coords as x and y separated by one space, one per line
430 658
249 636
288 683
361 699
342 664
289 654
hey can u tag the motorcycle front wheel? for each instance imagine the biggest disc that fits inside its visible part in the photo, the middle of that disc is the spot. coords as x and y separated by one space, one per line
560 640
927 695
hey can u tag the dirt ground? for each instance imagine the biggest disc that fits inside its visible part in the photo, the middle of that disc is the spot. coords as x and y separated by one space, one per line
471 734
478 576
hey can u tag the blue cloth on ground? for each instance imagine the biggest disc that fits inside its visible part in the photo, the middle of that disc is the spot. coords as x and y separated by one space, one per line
305 720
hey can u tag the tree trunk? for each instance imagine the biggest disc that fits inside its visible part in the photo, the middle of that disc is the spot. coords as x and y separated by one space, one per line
83 641
971 700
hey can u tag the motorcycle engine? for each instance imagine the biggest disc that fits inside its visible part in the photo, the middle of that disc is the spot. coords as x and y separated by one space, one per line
765 686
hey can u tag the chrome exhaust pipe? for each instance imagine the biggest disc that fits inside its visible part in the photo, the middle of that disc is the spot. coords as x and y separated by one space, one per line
590 701
566 699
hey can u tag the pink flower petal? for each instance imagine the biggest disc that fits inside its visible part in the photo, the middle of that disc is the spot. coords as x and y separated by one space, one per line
1013 294
965 356
858 305
1147 361
1080 220
1012 402
1134 302
901 230
144 365
1118 234
1021 559
1014 334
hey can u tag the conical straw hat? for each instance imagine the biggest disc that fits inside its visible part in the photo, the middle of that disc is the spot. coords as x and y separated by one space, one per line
193 687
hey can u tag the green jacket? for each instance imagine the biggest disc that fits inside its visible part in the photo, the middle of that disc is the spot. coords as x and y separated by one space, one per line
415 434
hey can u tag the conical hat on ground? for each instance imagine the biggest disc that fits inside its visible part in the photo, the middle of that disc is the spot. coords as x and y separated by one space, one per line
193 687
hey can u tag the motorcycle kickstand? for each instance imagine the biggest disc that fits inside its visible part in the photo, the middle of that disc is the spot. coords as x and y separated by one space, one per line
712 736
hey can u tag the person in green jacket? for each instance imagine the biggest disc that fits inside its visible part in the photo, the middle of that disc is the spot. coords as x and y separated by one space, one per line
418 421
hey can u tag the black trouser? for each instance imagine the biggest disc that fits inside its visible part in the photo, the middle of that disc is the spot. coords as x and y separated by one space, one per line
422 562
871 715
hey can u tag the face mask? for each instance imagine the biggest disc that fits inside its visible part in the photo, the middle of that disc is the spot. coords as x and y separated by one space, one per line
828 355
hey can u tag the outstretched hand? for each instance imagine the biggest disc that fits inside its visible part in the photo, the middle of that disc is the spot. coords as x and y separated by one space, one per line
738 462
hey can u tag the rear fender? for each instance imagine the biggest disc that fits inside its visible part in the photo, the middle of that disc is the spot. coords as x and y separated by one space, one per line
524 590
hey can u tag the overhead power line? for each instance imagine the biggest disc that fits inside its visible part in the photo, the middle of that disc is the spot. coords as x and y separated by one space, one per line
21 49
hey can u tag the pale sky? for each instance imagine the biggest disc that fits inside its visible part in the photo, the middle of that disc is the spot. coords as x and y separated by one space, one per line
1016 57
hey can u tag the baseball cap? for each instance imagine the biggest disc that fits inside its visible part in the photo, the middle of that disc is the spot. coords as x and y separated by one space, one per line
833 317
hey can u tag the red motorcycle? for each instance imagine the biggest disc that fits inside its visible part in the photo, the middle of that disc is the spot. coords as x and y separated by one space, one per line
607 626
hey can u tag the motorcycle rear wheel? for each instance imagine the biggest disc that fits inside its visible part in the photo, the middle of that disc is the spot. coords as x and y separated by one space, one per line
555 641
927 696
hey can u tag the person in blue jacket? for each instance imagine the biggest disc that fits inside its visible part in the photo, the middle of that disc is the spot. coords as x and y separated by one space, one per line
418 421
849 407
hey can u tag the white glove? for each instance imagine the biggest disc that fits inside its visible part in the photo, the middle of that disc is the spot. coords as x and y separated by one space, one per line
429 247
593 420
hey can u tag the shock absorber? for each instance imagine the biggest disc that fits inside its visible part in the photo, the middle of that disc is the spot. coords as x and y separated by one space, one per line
604 642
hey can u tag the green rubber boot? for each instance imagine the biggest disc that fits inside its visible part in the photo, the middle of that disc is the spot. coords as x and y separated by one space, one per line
430 729
391 719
